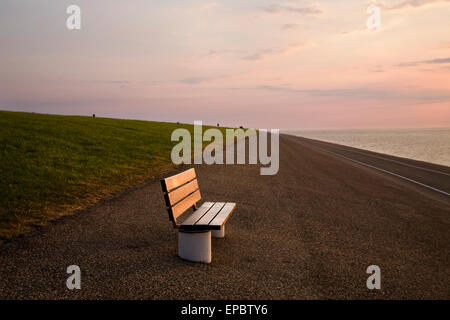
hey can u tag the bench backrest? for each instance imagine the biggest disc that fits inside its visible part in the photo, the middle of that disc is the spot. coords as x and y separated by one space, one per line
181 192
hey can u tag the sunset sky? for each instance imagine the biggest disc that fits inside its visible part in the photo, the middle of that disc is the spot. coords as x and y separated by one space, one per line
257 63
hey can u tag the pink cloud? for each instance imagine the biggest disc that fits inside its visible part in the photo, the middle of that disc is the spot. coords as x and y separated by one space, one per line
411 4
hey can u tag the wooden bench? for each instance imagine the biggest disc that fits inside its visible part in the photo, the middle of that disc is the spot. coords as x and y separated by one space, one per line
181 193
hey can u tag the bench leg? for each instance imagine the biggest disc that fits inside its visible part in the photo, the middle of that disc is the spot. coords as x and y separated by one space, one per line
195 246
218 233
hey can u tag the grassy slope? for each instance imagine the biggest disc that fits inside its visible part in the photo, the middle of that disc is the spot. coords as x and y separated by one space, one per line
53 165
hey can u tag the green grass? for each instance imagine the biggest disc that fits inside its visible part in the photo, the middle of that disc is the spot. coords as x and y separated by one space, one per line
54 165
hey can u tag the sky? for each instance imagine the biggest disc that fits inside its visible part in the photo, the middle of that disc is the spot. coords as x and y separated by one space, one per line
258 63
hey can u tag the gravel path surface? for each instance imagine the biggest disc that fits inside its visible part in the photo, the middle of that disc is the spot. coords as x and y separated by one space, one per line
308 232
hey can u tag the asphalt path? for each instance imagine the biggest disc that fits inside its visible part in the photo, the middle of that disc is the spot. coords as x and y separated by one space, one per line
309 232
432 176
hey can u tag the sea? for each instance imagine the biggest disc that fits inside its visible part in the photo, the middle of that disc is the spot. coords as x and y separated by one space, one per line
429 145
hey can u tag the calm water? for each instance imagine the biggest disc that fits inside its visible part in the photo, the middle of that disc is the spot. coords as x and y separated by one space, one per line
430 145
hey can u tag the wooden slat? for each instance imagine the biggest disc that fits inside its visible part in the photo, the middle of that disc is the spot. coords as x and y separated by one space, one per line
223 215
206 219
177 180
212 219
181 193
200 212
184 204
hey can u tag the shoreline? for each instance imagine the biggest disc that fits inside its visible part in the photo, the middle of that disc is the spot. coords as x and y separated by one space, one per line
361 139
387 155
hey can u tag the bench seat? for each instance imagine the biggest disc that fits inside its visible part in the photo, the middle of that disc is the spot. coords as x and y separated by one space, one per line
210 216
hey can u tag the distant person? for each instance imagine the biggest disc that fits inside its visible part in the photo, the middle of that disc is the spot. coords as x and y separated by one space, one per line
93 116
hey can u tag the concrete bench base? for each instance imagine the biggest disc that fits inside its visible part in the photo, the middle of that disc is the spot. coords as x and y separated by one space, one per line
195 246
218 233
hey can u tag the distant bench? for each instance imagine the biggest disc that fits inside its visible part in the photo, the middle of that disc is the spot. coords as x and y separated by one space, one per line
181 193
